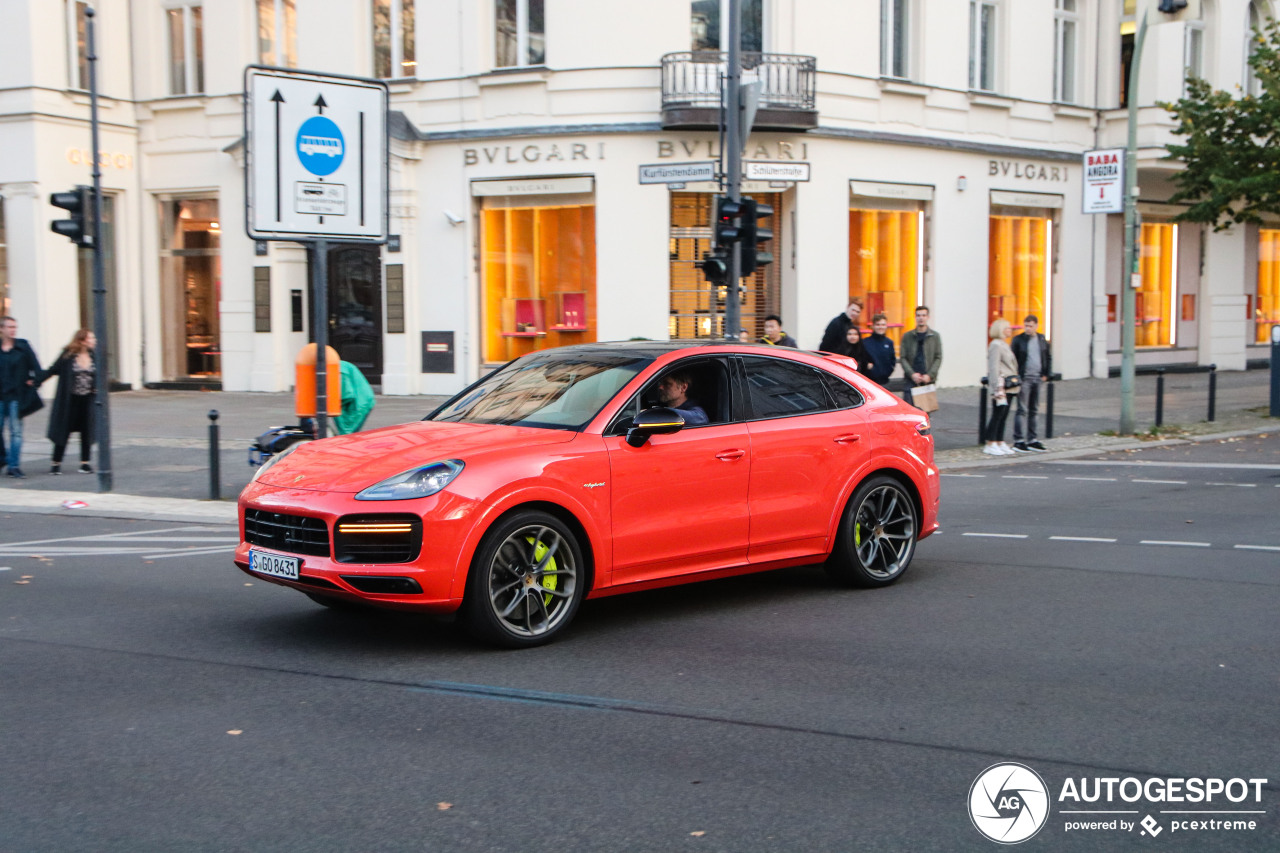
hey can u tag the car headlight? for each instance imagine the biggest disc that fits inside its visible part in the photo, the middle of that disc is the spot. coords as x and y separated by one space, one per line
274 459
420 482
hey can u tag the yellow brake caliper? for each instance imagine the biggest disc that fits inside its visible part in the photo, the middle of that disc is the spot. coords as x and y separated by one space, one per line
548 581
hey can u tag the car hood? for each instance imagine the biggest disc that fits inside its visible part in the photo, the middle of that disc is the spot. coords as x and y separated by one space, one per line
350 463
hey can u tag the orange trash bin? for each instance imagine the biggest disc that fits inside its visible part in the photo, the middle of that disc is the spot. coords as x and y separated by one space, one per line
304 389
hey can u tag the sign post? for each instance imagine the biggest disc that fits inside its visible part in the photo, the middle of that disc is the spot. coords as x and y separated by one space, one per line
316 173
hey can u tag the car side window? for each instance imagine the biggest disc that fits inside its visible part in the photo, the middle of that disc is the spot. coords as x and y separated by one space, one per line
844 394
709 388
779 388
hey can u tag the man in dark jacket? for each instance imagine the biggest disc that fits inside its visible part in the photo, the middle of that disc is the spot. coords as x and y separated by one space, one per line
833 337
773 334
921 353
880 353
19 370
1031 349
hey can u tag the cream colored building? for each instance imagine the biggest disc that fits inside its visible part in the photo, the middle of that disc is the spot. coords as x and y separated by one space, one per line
943 141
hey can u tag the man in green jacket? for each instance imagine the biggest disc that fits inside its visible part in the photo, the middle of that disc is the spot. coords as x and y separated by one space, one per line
357 400
921 354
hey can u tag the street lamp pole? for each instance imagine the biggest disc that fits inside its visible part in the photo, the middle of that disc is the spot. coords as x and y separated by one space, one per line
1128 319
102 401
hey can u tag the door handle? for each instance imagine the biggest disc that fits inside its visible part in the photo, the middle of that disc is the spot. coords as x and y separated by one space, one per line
730 455
848 439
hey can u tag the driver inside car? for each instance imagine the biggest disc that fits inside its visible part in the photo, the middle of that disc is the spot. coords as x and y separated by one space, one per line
672 391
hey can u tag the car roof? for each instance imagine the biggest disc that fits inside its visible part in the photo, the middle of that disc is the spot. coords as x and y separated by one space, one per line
657 348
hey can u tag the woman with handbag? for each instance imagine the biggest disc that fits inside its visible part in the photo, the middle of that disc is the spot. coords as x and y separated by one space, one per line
1002 377
76 369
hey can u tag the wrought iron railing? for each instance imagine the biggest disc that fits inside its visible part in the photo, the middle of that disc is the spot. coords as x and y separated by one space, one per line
694 79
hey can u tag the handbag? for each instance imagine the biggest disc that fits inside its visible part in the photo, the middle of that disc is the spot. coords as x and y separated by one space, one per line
1012 383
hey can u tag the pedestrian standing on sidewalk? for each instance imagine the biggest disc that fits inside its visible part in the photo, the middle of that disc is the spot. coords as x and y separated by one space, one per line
1000 366
1031 349
853 348
921 354
19 370
77 372
834 335
773 334
880 352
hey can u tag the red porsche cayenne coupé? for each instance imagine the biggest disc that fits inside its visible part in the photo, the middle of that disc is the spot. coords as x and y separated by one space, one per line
597 469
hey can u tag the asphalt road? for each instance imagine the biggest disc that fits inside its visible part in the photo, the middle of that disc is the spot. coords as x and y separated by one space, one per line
1114 619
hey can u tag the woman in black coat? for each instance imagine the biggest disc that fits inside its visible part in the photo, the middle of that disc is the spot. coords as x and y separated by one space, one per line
76 369
853 348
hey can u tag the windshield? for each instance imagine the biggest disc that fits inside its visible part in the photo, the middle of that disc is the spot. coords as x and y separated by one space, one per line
551 390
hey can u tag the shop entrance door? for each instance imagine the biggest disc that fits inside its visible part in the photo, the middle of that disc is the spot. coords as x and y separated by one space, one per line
355 307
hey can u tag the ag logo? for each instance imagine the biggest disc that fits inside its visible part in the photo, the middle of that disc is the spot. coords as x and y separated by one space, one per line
1008 803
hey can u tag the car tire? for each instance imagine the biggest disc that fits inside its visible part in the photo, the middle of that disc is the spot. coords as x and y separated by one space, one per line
877 535
526 551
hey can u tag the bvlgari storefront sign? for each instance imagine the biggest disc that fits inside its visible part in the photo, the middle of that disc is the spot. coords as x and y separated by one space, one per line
533 152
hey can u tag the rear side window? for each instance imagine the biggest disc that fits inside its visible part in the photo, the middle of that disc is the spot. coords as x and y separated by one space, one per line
844 394
779 388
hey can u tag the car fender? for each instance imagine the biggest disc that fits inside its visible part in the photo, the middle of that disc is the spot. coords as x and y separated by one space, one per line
575 482
884 457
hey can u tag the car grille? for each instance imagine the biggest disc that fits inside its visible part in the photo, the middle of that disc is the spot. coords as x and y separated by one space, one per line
293 534
377 538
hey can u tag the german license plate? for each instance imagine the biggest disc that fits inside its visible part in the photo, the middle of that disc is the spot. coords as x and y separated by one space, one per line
276 565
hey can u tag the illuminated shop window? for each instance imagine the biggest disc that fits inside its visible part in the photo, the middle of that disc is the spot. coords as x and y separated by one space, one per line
1154 300
1266 308
539 277
886 263
1018 269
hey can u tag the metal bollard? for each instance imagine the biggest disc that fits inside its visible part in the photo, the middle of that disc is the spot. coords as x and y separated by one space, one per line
1048 405
1213 390
982 411
215 473
1159 396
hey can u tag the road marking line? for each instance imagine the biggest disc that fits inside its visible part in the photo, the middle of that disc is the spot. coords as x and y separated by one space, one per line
999 535
1258 547
1093 479
193 552
978 476
1170 542
134 534
1237 485
1080 539
1241 466
1162 482
1024 477
166 539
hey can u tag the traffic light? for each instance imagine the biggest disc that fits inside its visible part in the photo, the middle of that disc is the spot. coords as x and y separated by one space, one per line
725 226
79 203
715 266
753 236
1171 7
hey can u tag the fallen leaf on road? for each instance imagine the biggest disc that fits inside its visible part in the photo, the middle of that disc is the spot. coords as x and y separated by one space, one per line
248 584
699 833
444 807
236 732
22 581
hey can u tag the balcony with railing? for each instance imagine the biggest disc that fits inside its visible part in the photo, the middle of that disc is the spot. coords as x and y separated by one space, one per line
692 83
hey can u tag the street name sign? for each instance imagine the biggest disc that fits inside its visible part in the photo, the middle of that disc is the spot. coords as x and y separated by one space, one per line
756 170
315 156
678 173
1104 181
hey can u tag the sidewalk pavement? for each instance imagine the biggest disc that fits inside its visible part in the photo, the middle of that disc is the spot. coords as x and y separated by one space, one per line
160 439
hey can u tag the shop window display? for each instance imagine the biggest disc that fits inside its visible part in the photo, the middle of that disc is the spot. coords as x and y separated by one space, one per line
1018 269
1266 308
885 265
539 274
1155 299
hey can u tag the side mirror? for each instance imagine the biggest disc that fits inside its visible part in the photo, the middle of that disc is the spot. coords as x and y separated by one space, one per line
657 421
